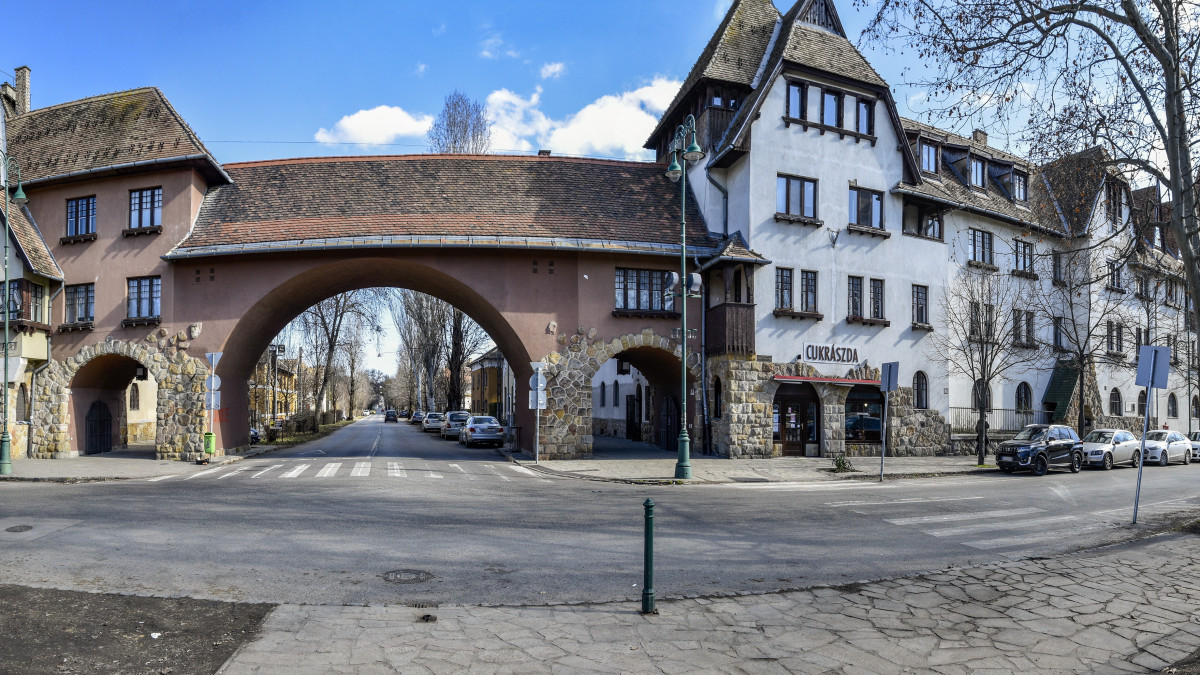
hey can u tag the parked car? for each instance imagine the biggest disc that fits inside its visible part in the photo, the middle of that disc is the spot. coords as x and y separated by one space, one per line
1106 447
1039 447
1194 439
1165 447
482 429
254 436
417 417
390 416
454 420
432 422
404 414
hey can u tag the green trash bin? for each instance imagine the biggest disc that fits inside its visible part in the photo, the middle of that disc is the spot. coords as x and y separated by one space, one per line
210 443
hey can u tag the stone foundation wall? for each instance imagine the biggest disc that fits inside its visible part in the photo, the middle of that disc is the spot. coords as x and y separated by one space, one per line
140 432
914 432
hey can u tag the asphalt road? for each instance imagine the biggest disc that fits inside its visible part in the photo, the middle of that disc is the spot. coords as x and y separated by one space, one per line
325 523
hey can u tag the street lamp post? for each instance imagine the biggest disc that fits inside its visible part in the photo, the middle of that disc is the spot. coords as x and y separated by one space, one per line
690 153
10 165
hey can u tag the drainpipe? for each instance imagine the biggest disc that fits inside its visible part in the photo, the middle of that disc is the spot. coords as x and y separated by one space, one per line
34 374
724 201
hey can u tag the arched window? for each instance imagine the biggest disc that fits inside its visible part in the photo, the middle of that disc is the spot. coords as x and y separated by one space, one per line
616 394
981 396
1024 397
1172 406
22 403
135 397
920 391
1114 403
1142 402
602 395
716 397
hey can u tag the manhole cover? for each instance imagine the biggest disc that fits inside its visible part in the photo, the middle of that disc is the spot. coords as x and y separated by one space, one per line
19 528
407 576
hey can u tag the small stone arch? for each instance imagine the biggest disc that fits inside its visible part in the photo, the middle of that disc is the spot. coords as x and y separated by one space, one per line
180 404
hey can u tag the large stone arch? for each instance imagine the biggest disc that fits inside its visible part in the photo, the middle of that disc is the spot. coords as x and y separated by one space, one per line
565 427
180 405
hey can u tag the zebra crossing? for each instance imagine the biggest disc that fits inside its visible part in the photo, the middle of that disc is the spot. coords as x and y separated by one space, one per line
309 469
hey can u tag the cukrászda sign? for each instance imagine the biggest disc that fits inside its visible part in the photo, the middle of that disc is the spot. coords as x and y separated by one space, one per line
816 352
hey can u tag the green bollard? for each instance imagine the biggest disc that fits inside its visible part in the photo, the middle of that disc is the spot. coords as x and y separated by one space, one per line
648 606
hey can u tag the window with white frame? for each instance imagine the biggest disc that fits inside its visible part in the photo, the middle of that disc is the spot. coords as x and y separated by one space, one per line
1020 186
929 157
978 173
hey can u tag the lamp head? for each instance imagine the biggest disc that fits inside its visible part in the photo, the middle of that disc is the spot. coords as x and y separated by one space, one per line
19 198
673 171
693 152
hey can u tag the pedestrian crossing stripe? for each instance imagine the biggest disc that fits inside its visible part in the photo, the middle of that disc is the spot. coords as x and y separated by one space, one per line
358 470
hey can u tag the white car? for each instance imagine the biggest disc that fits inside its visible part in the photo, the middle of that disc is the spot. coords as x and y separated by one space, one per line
1165 447
432 422
1106 447
1194 437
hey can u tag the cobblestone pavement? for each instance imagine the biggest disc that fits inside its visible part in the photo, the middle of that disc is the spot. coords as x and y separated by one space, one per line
1131 608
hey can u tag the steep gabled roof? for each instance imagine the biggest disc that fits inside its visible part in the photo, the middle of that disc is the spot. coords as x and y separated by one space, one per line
29 243
825 51
1074 183
113 132
733 54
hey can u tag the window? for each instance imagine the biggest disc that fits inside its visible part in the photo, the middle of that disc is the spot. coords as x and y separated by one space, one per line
831 108
1020 186
14 299
717 400
929 157
1196 406
1112 199
80 301
642 290
1023 328
920 304
145 297
920 391
863 414
622 366
616 393
22 403
603 394
135 397
1173 347
866 208
1143 336
797 106
37 303
796 196
783 288
1172 293
1141 404
866 117
923 221
1116 337
1059 342
978 173
1114 403
982 250
854 297
1058 265
1143 284
877 298
1022 256
1024 397
1114 275
81 216
808 291
983 321
1172 406
981 396
145 208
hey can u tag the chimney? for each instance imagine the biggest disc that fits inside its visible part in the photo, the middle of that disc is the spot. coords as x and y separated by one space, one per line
979 136
22 86
543 153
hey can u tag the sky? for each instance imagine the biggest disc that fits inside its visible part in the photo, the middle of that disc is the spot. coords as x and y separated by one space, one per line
271 79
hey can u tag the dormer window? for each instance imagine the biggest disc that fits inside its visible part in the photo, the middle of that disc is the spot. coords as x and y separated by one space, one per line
1020 186
831 108
866 117
978 173
929 157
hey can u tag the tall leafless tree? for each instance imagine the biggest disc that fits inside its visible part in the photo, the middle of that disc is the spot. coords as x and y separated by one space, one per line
326 323
461 127
464 338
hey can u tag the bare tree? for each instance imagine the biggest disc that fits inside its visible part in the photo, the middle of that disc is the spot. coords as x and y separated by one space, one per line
1120 74
421 321
464 338
461 127
326 323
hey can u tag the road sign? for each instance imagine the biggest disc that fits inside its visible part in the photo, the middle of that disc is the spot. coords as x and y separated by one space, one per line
1152 367
889 376
538 365
213 358
537 400
212 400
213 382
537 381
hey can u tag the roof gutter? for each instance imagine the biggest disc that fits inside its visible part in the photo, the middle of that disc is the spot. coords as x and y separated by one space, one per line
141 164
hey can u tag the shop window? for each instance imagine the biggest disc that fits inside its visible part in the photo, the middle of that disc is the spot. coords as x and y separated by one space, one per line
864 414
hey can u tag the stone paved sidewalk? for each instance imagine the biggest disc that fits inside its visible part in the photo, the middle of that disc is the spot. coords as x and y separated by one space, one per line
1133 608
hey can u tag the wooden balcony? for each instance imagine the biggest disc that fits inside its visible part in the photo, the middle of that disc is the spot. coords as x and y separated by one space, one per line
729 329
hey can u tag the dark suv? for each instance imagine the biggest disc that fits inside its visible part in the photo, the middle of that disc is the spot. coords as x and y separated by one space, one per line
1038 447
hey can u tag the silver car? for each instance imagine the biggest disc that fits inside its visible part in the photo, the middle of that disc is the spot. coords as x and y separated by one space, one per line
1106 447
454 420
1165 447
1194 438
432 422
482 429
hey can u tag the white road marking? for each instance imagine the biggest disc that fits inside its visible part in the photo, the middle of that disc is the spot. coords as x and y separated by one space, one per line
235 471
493 469
276 466
394 470
847 485
328 470
905 500
205 472
1143 506
1004 542
296 471
463 471
984 527
362 468
313 452
434 475
375 445
527 472
975 515
159 478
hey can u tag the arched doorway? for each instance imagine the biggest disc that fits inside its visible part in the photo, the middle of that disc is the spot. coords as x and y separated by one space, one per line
100 417
99 429
796 414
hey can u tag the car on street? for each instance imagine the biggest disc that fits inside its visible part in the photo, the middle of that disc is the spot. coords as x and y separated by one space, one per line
452 422
1040 447
1164 447
432 422
390 416
481 429
404 414
1107 447
1194 439
417 417
254 435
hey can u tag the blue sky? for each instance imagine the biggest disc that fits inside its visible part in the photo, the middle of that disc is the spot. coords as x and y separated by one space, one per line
260 80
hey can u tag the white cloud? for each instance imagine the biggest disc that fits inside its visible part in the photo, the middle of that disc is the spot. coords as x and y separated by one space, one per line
376 126
494 46
420 69
439 30
553 70
615 125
